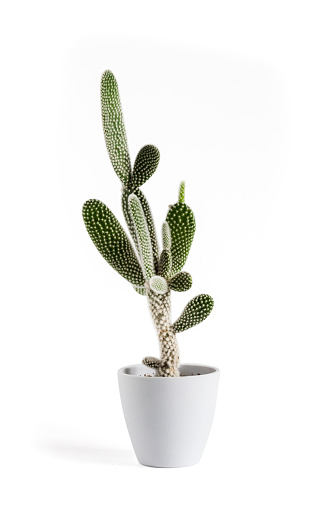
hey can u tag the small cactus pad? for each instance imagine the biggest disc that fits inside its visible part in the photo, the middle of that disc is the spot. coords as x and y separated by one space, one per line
181 197
182 228
145 165
181 282
111 240
166 236
151 362
114 130
195 312
165 263
143 236
158 284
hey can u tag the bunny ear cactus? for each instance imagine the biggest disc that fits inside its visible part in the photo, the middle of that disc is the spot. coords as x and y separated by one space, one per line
152 273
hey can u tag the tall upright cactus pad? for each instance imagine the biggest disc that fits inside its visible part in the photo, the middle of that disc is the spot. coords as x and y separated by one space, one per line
112 242
143 236
182 228
145 165
166 236
151 226
113 125
195 312
165 264
149 220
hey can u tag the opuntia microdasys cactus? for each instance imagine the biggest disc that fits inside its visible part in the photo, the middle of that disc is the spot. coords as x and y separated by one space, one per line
151 273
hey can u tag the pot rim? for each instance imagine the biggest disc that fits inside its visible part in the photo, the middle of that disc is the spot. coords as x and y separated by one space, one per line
213 369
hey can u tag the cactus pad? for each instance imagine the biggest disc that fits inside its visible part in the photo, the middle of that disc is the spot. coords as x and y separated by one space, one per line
181 197
143 236
145 165
182 228
195 312
158 284
151 226
181 282
113 125
152 362
166 236
111 240
165 263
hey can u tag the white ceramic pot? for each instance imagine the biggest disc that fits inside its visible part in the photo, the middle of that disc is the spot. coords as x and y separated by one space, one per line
168 419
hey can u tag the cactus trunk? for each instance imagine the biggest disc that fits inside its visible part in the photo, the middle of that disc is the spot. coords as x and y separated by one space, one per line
160 308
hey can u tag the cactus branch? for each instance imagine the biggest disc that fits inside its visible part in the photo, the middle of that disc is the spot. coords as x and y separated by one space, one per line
181 196
145 165
112 241
182 228
195 312
113 125
166 236
152 362
165 264
143 236
181 282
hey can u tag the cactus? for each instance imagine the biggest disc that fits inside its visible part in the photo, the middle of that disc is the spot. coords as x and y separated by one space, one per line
152 273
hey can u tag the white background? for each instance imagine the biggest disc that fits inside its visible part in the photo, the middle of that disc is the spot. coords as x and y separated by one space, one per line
239 98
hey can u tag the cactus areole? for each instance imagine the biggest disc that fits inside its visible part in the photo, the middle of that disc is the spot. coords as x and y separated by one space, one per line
152 273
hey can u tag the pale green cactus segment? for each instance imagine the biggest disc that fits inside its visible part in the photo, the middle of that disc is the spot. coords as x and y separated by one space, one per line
158 284
151 226
182 227
181 282
113 126
195 312
128 218
181 196
150 223
112 242
140 290
143 236
166 236
145 165
165 263
152 362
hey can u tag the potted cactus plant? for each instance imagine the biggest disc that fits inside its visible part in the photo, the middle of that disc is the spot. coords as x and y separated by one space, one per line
168 407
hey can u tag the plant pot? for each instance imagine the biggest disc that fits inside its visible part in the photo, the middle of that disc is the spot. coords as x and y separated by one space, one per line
168 418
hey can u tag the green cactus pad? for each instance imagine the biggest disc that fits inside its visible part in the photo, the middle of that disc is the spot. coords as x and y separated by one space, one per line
151 226
113 125
195 312
145 165
111 240
181 197
128 218
165 263
181 282
150 223
143 236
166 236
182 228
158 284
